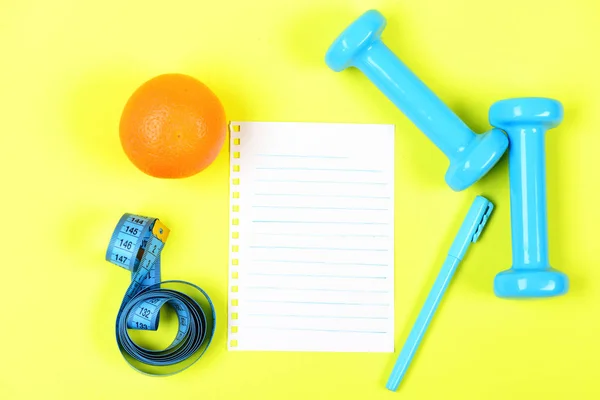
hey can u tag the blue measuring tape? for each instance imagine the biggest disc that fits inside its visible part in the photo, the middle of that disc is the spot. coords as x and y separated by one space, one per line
136 245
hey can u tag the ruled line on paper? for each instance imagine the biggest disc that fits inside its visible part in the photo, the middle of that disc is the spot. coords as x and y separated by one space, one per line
315 248
313 329
300 234
320 208
316 289
323 262
316 275
324 195
320 182
320 222
316 316
301 156
318 302
319 169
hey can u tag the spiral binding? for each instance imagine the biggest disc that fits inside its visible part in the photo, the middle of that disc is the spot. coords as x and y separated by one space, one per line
235 235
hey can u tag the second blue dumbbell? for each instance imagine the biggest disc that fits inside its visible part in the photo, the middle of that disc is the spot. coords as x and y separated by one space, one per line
471 155
526 121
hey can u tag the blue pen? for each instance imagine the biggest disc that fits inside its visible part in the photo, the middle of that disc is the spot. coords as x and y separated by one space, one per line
469 232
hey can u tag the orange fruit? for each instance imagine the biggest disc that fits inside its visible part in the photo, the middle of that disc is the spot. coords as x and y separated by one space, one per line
172 126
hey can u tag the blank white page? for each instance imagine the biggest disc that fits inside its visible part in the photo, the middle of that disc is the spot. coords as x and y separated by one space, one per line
312 237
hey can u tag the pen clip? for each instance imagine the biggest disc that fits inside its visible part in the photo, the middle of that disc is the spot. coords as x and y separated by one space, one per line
471 227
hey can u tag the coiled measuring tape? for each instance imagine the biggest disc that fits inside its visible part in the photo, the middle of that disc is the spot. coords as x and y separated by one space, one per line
136 245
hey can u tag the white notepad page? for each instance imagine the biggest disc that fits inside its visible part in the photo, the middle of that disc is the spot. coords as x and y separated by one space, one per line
312 237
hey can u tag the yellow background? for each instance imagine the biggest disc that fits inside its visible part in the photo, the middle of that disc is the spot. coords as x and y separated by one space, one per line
68 67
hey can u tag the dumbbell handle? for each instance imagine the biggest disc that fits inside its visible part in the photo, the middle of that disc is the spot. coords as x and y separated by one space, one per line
396 81
527 174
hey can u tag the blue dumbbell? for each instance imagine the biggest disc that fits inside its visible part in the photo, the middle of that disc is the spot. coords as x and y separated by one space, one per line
526 121
471 156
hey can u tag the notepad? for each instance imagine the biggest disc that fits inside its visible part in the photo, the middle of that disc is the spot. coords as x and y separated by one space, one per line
311 263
